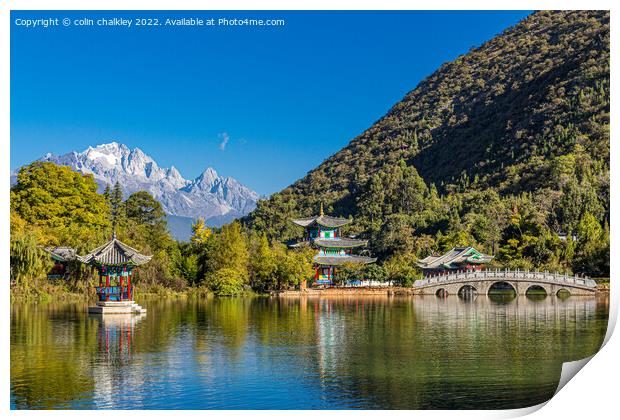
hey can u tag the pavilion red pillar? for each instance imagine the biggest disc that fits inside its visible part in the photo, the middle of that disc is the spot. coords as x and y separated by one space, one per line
120 287
107 285
101 271
129 286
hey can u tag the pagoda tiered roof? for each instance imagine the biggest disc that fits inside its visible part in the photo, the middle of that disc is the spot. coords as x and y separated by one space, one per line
334 249
322 220
115 253
329 260
453 258
339 242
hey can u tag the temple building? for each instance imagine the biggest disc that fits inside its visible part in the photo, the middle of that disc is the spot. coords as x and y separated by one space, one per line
457 259
115 261
64 259
323 233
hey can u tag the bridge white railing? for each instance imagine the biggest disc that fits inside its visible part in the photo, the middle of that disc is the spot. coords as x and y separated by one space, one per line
514 275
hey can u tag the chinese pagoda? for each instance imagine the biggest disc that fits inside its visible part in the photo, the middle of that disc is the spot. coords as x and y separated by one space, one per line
323 233
115 262
457 259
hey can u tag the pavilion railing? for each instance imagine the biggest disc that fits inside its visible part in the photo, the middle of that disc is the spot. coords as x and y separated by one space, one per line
519 275
112 293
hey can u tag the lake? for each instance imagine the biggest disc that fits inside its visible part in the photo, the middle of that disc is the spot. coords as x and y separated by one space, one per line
368 352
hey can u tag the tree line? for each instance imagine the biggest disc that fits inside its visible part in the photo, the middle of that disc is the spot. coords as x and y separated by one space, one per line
403 218
53 205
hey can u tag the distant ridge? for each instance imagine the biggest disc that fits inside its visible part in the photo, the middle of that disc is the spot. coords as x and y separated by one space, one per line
494 118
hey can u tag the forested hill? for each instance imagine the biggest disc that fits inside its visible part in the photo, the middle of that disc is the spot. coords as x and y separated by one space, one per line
527 112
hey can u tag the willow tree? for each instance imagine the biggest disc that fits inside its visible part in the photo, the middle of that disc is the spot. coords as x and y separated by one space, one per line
27 261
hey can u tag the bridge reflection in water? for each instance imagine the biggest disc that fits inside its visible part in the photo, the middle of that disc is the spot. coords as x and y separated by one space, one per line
485 308
479 352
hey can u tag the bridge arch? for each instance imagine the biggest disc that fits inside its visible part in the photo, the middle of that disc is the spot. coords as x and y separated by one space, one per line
563 293
441 293
537 290
467 291
501 287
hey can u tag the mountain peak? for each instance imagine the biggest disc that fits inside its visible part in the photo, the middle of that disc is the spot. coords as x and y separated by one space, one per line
209 195
208 174
174 172
113 143
106 154
111 146
206 181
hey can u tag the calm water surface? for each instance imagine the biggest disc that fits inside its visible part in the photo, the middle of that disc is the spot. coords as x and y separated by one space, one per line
261 353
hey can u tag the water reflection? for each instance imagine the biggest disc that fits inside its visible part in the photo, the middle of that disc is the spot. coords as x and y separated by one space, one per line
367 352
112 370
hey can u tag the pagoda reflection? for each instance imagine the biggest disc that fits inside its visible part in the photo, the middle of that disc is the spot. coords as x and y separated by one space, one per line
114 336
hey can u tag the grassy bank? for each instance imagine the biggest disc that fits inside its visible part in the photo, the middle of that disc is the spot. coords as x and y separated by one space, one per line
50 292
43 291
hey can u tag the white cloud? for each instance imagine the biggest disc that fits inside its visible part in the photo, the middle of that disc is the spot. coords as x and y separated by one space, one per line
224 141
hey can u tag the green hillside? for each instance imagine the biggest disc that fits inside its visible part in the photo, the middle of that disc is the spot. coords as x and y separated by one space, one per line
503 148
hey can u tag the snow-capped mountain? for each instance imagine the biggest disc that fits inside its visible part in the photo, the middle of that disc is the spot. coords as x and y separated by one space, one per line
215 198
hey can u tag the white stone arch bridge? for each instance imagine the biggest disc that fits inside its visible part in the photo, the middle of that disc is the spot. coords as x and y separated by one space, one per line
520 281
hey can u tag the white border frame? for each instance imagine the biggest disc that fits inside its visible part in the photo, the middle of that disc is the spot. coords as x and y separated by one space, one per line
592 394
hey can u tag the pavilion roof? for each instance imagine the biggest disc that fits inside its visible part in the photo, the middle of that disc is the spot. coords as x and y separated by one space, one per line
326 221
298 244
454 256
115 253
339 242
342 259
62 253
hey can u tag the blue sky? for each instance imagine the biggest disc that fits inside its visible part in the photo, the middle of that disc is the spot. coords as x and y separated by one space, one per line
285 98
